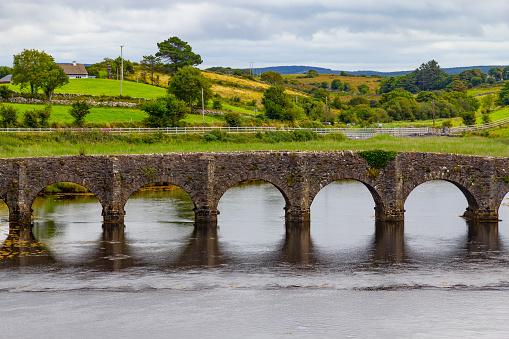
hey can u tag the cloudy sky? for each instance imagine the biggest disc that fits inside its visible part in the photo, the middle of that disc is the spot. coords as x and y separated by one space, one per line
382 35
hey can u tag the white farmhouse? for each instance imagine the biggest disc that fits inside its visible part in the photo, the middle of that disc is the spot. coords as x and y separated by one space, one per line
74 70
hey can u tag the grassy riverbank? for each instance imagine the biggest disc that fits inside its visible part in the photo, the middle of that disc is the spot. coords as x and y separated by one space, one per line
67 143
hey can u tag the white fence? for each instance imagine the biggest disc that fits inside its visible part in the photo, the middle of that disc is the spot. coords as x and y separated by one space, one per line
351 133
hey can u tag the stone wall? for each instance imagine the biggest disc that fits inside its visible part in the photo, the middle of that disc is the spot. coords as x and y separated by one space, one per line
299 176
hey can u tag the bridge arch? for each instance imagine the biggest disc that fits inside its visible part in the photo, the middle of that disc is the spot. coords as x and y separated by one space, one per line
281 185
98 191
460 183
366 181
142 182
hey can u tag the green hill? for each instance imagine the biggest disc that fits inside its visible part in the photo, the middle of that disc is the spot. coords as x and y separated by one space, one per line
109 88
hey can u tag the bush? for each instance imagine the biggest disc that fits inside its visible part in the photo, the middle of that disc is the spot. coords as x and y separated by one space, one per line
447 123
5 92
468 118
79 110
233 119
9 116
217 104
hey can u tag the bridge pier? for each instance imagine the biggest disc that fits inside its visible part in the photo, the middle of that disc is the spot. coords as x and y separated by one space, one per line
205 218
485 214
113 214
390 214
297 217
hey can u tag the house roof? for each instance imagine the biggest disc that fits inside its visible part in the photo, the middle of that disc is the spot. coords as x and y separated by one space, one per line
7 78
74 69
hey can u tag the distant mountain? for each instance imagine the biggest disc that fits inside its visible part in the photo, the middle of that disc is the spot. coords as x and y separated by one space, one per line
303 69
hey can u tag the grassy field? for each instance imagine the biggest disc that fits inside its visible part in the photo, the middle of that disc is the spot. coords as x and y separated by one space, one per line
60 114
108 87
477 91
24 145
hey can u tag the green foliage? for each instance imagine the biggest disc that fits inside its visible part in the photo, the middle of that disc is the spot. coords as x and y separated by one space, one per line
187 84
37 117
64 187
165 111
233 119
9 116
378 159
38 71
486 118
503 95
447 123
150 64
277 104
364 89
336 85
4 70
178 54
216 135
217 104
311 74
79 110
468 118
5 92
402 108
272 78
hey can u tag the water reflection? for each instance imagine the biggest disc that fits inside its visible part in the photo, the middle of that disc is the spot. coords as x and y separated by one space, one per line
113 252
297 247
483 239
20 248
160 233
389 243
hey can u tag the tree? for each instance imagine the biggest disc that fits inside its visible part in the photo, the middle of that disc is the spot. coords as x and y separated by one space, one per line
364 89
150 63
165 111
457 86
272 78
503 95
277 104
336 85
187 85
39 71
401 108
497 73
79 110
429 76
233 119
468 118
4 70
178 54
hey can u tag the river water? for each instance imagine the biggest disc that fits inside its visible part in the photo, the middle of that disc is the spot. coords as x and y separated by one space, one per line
433 276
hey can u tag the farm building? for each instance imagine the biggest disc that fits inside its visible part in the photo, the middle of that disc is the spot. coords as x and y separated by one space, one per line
6 79
74 70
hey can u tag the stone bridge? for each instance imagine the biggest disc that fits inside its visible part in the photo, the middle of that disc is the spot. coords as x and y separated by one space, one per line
299 176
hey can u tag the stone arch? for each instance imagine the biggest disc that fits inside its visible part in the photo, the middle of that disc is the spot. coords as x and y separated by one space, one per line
141 182
234 180
98 191
367 182
456 181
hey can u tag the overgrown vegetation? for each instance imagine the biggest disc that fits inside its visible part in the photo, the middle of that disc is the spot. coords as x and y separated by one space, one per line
378 159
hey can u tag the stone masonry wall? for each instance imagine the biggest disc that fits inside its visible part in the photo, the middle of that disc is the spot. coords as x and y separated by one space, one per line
299 176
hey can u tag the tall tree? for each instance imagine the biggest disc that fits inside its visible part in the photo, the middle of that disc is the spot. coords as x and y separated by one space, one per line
177 53
429 76
39 71
150 63
272 78
187 85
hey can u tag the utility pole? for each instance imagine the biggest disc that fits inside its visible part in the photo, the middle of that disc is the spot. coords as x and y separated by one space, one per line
326 109
433 113
121 68
202 105
251 67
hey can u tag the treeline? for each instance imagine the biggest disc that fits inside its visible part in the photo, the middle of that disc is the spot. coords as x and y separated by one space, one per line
430 76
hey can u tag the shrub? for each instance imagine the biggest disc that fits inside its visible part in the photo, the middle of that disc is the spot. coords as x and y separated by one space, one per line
9 116
233 119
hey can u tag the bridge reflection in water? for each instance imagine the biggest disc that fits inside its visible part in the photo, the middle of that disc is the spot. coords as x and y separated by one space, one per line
203 248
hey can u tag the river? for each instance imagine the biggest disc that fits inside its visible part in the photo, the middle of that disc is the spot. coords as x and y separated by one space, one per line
436 275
